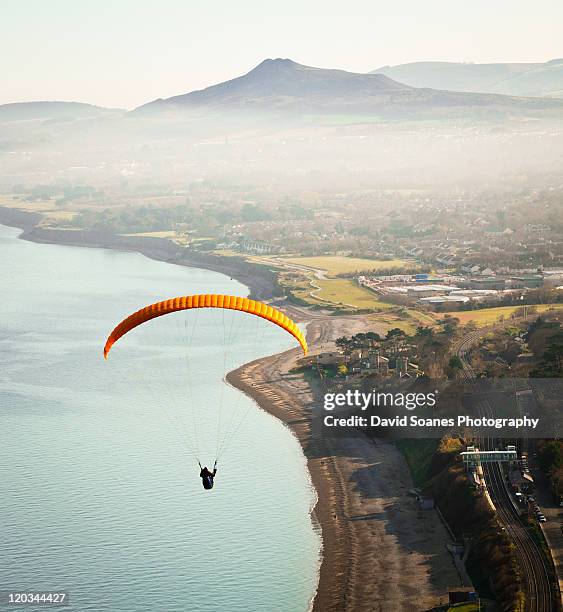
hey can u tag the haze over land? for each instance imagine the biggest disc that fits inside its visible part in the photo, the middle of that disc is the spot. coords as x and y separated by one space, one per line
517 79
422 206
288 124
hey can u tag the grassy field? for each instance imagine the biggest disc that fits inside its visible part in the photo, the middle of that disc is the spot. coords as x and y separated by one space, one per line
163 234
336 264
418 454
346 292
53 216
35 206
341 292
488 316
384 321
423 318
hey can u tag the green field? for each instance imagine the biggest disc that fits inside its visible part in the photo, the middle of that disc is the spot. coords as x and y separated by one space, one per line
384 321
346 292
339 292
418 454
423 318
488 316
336 264
161 234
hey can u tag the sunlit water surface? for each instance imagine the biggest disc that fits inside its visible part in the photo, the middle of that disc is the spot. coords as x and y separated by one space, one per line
100 488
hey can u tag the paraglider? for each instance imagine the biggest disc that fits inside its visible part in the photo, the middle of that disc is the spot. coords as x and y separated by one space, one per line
212 300
187 303
207 476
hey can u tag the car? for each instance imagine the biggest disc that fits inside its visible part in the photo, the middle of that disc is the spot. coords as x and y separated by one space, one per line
531 499
542 519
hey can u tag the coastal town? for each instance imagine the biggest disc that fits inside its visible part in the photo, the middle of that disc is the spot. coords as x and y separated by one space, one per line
336 295
395 302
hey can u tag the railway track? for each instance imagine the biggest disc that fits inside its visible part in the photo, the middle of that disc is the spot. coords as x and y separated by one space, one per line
540 596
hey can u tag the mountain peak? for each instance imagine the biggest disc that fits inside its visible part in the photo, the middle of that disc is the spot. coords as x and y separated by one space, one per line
273 66
275 62
281 82
282 85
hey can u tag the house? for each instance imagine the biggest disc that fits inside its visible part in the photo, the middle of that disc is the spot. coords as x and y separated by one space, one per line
521 481
403 367
377 363
525 359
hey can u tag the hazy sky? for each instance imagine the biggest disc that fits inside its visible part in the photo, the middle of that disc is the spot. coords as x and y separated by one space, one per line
127 52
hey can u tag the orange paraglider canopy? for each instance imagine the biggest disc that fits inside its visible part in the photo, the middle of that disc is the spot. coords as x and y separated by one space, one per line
208 300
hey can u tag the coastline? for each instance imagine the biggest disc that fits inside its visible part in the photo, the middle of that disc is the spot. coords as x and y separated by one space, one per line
372 553
259 279
330 593
379 551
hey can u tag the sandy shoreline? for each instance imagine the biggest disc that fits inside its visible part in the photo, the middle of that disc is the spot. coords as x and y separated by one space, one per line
378 551
253 379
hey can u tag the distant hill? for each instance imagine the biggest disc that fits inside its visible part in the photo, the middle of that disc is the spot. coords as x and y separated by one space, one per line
282 85
543 80
45 111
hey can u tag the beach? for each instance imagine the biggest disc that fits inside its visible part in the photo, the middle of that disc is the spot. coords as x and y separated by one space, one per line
379 552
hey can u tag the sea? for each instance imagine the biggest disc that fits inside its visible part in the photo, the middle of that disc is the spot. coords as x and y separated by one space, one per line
99 478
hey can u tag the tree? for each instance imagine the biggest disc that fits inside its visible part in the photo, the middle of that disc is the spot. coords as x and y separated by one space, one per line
449 329
395 333
423 332
551 365
373 336
550 456
252 212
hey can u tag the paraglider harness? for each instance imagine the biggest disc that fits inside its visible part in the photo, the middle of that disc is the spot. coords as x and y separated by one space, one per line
207 476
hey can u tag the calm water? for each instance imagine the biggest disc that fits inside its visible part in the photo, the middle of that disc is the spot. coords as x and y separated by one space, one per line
100 488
